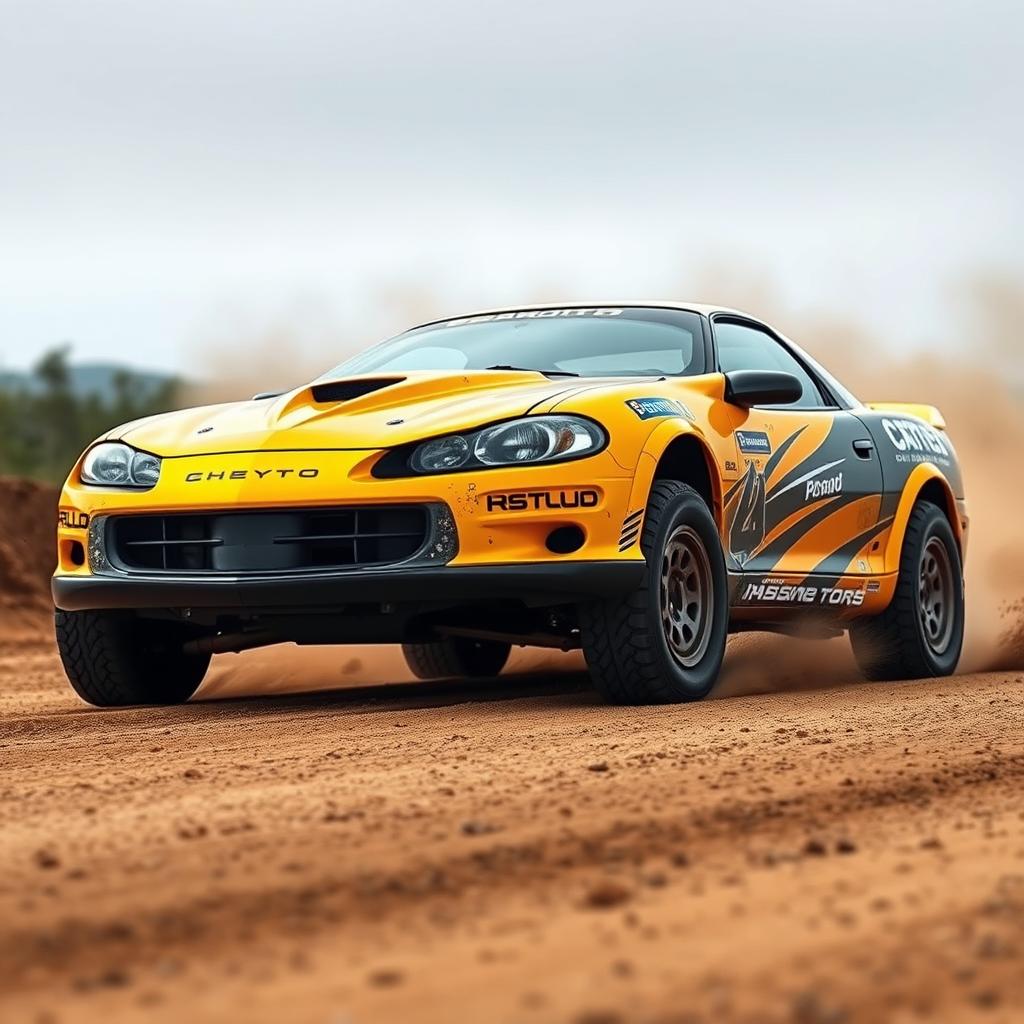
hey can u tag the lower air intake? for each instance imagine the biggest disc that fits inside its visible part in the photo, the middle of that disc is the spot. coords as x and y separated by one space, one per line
268 541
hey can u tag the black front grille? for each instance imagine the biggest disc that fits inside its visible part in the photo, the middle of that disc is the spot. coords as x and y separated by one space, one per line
278 541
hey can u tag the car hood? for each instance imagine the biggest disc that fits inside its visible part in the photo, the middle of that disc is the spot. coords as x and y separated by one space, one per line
370 412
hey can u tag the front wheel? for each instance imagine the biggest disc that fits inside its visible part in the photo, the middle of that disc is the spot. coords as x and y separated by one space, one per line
664 642
921 633
115 659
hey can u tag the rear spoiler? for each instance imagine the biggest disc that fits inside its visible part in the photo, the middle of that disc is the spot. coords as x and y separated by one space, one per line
928 413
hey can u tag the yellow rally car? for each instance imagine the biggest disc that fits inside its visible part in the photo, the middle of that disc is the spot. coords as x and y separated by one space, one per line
635 480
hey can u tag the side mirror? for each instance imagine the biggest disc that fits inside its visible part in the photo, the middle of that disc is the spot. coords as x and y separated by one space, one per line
747 388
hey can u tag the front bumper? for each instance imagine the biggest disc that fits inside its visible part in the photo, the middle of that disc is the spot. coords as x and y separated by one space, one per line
503 520
538 585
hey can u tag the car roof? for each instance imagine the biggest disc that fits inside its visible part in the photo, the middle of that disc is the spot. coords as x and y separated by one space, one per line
690 307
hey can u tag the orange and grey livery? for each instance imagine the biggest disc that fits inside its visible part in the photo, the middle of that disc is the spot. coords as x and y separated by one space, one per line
635 479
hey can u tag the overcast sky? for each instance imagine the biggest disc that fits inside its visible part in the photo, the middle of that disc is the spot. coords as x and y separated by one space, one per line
174 175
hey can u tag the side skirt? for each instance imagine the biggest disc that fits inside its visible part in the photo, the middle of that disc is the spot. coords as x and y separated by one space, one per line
787 597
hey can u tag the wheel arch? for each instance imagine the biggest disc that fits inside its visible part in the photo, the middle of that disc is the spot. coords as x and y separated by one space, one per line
677 451
926 483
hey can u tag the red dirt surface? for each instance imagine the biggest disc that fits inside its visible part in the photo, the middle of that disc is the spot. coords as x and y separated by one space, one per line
513 852
28 553
831 853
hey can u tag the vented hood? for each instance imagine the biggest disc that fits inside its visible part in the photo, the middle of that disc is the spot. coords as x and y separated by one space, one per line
367 412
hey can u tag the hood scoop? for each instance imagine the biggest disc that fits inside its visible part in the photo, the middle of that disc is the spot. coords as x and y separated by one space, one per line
347 390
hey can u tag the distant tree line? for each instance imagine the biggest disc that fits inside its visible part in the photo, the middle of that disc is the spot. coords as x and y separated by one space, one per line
45 423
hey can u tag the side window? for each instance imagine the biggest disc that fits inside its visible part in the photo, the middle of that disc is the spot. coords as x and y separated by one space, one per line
741 347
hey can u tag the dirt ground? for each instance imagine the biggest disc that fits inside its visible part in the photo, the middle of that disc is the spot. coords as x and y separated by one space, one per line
512 851
805 849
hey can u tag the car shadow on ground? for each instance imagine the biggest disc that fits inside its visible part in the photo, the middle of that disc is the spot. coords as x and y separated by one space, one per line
408 696
285 681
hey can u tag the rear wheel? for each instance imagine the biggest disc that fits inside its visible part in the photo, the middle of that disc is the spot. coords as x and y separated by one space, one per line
920 634
115 659
456 657
664 642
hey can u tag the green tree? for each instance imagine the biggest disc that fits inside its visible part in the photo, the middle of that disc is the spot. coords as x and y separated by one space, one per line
45 424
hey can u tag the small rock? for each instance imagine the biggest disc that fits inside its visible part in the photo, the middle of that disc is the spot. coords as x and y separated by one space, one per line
46 859
598 766
607 895
814 848
846 846
476 828
600 1017
114 978
986 1000
192 773
810 1008
386 977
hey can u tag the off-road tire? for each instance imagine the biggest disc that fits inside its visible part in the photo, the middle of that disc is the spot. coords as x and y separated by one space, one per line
623 638
893 645
456 657
115 659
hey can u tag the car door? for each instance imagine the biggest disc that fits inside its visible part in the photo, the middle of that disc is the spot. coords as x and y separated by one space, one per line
809 495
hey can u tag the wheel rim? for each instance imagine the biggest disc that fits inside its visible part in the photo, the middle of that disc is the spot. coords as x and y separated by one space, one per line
687 596
936 596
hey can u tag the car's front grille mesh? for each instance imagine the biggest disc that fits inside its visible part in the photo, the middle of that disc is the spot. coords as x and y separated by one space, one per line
268 541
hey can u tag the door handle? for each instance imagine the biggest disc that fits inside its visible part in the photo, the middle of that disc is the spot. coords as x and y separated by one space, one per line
864 448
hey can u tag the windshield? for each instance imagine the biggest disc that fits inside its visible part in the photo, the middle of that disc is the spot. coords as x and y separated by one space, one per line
593 342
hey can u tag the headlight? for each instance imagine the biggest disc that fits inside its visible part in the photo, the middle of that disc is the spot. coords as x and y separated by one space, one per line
446 453
518 442
113 464
536 439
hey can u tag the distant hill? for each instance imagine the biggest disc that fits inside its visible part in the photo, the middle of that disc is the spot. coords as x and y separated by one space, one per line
89 379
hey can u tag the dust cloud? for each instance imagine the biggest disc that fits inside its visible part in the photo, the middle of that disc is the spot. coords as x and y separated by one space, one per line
975 376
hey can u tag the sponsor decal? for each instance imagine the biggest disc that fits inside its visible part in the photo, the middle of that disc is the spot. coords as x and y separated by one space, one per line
534 501
250 474
814 486
776 592
874 586
730 466
824 488
915 441
753 442
533 314
649 408
72 519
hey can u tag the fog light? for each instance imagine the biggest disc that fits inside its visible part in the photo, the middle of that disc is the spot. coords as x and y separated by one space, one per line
565 540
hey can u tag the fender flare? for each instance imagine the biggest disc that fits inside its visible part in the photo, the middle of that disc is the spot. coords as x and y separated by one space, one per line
919 478
650 456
